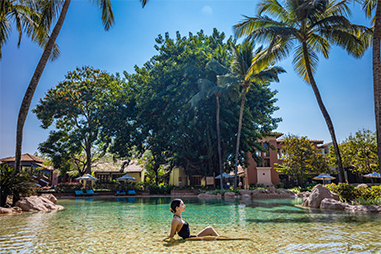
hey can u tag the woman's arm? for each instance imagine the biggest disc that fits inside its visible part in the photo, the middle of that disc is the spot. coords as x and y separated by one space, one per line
174 225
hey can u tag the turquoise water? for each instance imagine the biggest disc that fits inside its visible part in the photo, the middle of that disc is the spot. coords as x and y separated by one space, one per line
136 225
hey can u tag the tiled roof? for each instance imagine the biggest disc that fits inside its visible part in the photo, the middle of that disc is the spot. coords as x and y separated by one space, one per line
25 157
133 167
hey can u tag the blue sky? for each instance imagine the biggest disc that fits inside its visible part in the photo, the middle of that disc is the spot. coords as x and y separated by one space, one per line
345 83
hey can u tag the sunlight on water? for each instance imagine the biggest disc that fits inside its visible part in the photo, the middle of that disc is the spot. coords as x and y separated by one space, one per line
135 225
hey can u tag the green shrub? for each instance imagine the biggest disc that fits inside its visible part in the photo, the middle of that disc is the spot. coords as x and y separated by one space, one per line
161 189
367 201
68 187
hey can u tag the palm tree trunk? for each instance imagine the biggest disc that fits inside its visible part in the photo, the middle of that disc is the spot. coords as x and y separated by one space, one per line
25 105
324 111
219 138
239 135
377 79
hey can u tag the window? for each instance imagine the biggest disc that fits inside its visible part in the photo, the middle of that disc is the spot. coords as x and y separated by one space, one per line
266 152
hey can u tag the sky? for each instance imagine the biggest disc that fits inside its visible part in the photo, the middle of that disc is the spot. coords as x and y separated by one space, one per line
345 83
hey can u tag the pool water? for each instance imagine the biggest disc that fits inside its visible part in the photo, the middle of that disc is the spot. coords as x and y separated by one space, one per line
137 225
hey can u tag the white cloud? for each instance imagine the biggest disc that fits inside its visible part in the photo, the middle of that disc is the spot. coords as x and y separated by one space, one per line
207 10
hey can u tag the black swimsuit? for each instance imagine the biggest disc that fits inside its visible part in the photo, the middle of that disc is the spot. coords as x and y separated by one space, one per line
184 231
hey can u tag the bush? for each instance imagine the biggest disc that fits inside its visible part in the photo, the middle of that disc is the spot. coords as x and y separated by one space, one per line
20 184
358 195
161 189
68 187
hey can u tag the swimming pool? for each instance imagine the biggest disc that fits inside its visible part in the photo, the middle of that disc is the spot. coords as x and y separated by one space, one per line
136 225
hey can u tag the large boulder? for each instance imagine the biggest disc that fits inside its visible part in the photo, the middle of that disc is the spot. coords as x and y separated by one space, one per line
35 203
229 195
209 195
365 208
5 210
271 189
245 196
318 193
50 197
330 203
245 192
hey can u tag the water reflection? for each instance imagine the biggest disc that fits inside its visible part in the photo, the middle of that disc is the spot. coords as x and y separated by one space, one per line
129 224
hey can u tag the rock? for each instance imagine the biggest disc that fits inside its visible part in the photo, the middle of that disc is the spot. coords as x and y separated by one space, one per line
50 197
218 196
271 189
245 192
16 209
5 210
319 192
35 203
229 195
291 193
330 203
365 208
208 195
245 196
363 185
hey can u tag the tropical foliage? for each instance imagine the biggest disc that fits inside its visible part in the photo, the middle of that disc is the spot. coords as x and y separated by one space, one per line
77 107
357 195
14 184
307 28
174 133
301 158
359 152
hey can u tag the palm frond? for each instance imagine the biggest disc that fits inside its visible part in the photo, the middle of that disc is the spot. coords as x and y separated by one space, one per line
107 14
319 44
273 8
217 67
300 65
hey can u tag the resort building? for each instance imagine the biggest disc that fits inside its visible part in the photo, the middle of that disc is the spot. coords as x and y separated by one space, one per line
106 172
44 175
265 172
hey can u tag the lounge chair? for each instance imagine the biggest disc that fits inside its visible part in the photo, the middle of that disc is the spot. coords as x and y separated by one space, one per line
131 192
122 192
91 192
79 192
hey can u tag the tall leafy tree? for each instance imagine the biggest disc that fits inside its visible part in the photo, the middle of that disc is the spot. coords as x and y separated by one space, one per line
188 138
301 158
307 28
77 107
372 7
207 89
51 8
359 152
249 68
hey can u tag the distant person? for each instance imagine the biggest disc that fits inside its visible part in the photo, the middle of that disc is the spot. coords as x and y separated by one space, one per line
240 185
227 186
181 227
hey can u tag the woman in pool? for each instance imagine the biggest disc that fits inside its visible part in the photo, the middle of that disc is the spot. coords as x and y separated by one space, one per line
181 227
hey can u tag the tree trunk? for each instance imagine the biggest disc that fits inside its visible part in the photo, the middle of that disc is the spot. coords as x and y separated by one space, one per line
377 79
219 138
88 158
25 105
324 111
239 135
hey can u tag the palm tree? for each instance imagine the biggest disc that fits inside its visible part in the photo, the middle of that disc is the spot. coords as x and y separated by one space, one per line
248 68
50 8
28 19
207 88
308 27
369 6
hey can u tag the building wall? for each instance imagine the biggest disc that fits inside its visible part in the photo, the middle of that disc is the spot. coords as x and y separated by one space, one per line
265 173
178 177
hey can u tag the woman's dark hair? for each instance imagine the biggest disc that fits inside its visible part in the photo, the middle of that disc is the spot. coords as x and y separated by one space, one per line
175 203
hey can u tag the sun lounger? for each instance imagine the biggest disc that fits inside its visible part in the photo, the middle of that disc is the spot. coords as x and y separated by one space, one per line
120 193
91 192
79 192
131 192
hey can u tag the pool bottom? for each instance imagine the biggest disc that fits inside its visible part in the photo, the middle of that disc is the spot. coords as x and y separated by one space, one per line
138 226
